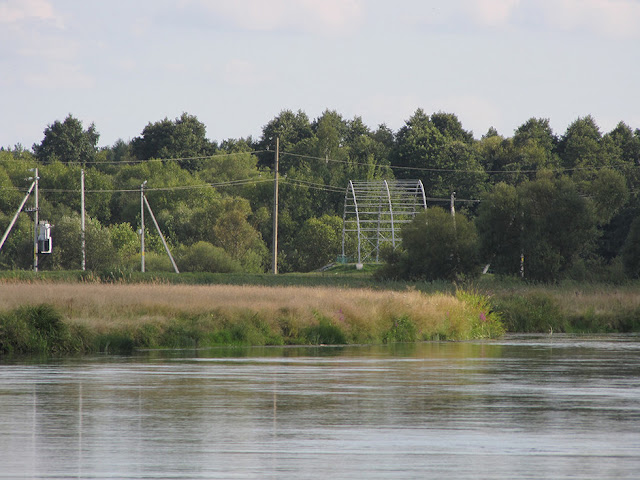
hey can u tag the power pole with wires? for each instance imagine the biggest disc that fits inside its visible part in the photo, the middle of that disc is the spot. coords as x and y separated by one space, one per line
82 223
35 229
275 209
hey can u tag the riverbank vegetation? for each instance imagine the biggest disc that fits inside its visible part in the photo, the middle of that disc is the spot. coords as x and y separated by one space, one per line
554 219
90 314
59 317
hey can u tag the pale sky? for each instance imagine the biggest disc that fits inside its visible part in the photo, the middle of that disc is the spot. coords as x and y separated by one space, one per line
235 64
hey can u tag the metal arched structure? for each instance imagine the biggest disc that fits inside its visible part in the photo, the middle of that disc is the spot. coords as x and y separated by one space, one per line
375 211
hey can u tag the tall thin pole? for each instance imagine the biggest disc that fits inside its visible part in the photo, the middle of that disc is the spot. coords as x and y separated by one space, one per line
164 242
142 226
453 207
82 223
275 210
35 234
15 217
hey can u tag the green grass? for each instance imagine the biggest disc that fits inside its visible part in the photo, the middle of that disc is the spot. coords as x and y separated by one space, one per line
519 306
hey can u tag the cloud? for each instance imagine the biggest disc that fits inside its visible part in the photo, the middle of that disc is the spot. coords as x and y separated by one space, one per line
610 18
241 73
59 76
492 12
13 12
318 17
614 18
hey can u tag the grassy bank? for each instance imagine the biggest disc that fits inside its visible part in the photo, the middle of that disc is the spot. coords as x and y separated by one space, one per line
117 311
571 308
67 317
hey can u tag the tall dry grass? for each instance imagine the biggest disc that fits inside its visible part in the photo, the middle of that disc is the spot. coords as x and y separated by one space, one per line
363 314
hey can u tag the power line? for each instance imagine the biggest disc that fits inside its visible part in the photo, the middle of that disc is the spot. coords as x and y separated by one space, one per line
231 183
135 160
317 186
454 170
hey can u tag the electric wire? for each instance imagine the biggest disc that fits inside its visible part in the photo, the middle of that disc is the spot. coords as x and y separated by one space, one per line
450 170
132 161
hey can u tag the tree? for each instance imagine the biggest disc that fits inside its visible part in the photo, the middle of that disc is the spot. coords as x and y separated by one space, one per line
67 246
546 219
609 193
10 197
183 138
291 128
580 145
17 251
629 144
436 246
631 250
538 131
499 225
318 243
459 171
418 144
68 142
450 127
558 227
125 240
238 238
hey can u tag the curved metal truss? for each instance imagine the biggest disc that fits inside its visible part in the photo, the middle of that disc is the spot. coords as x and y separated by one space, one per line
375 212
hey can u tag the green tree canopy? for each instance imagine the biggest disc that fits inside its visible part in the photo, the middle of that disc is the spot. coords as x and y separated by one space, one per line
67 142
436 246
318 243
183 138
631 250
450 127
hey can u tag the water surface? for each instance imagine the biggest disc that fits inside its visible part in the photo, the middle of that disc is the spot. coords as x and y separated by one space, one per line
520 408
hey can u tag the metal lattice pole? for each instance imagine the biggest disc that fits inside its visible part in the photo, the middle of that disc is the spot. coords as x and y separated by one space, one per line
375 211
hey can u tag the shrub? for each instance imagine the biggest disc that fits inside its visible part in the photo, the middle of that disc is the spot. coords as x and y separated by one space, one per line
205 257
324 333
39 329
402 330
435 246
533 313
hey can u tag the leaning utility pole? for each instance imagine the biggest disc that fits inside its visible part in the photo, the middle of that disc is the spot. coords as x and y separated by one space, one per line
15 217
164 242
275 210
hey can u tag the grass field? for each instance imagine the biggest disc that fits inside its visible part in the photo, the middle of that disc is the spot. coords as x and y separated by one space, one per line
129 310
178 315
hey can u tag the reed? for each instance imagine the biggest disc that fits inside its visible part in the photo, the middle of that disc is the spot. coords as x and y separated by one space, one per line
570 307
121 316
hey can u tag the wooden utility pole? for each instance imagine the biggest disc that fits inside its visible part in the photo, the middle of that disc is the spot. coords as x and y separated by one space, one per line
142 226
82 222
35 234
275 209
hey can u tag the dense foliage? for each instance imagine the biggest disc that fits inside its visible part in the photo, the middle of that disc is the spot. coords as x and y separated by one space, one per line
536 204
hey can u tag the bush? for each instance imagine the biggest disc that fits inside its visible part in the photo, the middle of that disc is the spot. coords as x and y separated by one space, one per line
436 247
402 330
324 333
205 257
535 313
38 329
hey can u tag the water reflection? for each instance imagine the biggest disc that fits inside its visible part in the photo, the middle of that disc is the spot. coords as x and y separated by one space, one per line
523 407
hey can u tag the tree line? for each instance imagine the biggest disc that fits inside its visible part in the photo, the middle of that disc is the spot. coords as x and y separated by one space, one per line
536 204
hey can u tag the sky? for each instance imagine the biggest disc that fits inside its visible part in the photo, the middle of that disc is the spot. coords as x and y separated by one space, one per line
236 64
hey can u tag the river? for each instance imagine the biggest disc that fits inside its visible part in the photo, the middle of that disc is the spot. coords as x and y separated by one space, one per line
522 407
